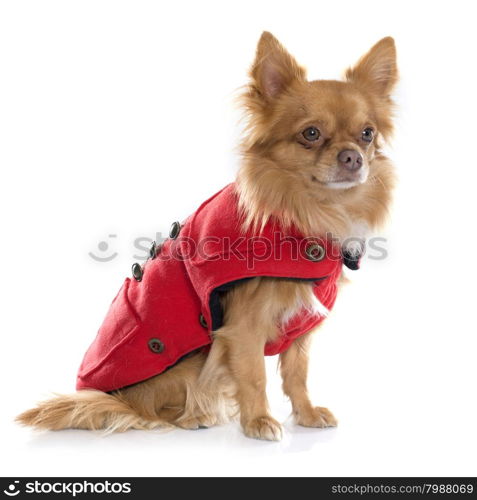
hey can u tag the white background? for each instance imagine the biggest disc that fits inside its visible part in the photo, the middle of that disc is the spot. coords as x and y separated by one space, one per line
117 118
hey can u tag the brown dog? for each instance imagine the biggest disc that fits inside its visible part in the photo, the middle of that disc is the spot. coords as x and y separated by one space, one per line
311 159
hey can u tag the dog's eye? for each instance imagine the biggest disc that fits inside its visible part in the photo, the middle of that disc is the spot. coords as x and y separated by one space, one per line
311 134
367 134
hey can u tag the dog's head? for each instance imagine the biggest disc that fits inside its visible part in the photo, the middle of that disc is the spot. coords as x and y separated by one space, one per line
329 130
312 141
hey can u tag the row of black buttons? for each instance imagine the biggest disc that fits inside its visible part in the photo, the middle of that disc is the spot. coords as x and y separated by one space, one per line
155 345
137 270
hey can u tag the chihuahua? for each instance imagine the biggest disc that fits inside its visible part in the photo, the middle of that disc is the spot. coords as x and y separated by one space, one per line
312 164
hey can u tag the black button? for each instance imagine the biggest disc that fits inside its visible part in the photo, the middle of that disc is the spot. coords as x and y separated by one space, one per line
153 250
137 271
175 230
351 261
315 252
202 321
156 346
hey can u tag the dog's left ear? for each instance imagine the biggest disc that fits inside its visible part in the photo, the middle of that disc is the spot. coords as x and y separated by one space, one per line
376 71
274 68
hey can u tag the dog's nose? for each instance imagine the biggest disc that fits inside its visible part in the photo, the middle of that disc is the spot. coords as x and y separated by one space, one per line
350 159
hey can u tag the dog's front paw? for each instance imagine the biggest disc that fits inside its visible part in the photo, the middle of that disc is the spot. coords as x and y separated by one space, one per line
263 428
316 417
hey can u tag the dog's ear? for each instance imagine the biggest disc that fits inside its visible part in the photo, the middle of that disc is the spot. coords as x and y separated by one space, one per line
376 71
274 68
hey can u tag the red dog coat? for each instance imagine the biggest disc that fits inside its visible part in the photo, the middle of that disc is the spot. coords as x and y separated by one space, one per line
172 303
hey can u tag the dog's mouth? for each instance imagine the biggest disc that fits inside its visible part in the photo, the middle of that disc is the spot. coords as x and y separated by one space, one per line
343 182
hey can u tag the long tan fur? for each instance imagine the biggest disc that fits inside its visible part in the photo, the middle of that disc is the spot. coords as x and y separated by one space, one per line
280 177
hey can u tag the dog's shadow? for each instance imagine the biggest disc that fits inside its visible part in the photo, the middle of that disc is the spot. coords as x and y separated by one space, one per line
228 437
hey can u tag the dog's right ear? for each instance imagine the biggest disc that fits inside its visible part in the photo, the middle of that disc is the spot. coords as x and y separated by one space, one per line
274 68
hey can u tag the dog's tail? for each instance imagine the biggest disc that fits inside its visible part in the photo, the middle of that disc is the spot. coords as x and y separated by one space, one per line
86 409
